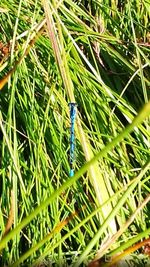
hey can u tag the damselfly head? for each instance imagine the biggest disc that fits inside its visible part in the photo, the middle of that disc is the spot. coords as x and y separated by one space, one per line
72 104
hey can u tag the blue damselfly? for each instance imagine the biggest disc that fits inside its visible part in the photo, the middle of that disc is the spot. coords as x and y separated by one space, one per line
73 111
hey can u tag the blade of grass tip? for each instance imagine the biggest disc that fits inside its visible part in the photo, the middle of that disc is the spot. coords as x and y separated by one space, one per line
137 120
94 171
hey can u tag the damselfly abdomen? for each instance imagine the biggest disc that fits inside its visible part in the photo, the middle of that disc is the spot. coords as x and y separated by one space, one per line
73 112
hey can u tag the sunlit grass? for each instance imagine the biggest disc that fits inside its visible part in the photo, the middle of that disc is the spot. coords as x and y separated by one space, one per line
97 55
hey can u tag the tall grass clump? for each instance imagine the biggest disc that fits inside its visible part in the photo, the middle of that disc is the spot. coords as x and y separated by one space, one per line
96 54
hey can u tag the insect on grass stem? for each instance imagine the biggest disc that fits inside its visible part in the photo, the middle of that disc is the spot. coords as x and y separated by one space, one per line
73 112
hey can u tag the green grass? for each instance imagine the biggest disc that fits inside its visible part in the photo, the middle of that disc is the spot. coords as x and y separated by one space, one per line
97 55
